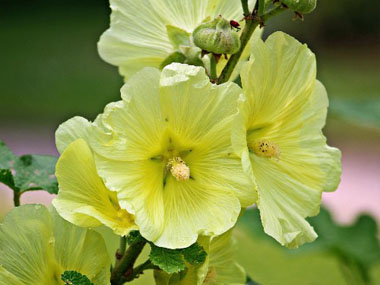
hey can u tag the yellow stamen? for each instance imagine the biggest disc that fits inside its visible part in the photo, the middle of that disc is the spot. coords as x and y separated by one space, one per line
179 169
266 149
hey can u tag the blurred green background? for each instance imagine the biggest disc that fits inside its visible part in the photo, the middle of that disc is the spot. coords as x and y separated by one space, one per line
50 71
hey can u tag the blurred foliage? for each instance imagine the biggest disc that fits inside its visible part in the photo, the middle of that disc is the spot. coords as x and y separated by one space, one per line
341 255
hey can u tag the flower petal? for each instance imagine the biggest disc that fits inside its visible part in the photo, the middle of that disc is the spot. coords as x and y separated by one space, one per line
287 106
200 115
222 260
188 14
137 35
193 209
27 245
134 126
82 250
83 199
71 130
7 278
139 187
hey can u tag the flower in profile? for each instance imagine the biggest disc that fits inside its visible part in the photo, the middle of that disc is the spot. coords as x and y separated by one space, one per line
148 33
83 199
278 136
38 246
165 149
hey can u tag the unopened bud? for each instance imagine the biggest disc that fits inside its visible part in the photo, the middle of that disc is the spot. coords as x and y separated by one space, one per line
301 6
217 37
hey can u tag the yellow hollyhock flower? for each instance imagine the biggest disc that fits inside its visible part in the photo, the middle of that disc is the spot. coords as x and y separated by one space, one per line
37 246
83 199
165 149
278 136
145 33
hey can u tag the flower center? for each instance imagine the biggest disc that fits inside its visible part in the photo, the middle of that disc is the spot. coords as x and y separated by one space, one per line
178 169
265 148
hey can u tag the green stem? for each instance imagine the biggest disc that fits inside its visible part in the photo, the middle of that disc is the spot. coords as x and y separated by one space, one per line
251 23
127 261
213 75
121 250
244 4
250 26
16 198
139 270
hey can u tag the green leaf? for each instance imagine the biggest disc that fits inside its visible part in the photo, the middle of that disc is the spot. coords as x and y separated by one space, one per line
169 260
194 254
75 278
343 251
36 172
6 177
357 243
7 158
173 260
27 172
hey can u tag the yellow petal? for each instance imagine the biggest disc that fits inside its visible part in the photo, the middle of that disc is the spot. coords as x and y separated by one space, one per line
27 245
285 108
133 126
81 249
71 130
83 199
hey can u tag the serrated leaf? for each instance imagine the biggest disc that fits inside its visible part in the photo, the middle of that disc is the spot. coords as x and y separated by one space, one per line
27 172
169 260
194 254
36 172
6 177
75 278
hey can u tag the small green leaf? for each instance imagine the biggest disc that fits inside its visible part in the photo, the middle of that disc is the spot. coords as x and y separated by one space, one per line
194 254
75 278
6 177
169 260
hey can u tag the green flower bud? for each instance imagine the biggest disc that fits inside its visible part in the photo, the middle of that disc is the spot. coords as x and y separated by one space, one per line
301 6
217 37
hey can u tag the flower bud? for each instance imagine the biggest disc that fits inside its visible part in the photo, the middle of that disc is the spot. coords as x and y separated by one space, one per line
301 6
216 37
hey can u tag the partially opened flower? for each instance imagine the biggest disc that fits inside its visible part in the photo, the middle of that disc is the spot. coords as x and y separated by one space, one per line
278 136
83 199
165 149
38 246
147 33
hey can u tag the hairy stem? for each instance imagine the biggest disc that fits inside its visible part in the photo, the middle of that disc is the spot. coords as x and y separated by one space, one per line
250 26
251 23
126 262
